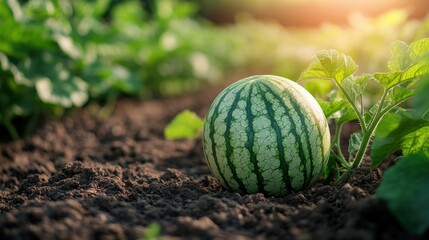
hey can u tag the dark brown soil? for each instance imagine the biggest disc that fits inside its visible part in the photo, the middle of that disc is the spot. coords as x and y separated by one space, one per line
87 178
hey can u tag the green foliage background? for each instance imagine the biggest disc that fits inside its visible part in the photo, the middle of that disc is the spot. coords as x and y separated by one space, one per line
60 54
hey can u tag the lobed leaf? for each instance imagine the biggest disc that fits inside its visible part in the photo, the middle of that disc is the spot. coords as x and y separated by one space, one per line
404 188
186 125
421 103
68 46
400 59
332 109
153 232
417 141
66 92
332 169
329 64
338 109
399 94
355 142
407 63
391 132
54 82
347 115
318 89
355 86
419 49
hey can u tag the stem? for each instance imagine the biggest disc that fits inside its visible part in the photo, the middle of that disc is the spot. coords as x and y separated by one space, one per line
387 109
362 149
380 106
337 140
364 144
343 162
375 120
11 129
31 126
378 116
357 112
366 139
110 105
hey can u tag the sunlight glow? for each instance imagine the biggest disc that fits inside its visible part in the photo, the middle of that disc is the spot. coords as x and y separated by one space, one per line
313 13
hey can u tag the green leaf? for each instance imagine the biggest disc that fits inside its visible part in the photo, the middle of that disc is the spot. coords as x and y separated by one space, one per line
54 81
419 49
406 66
417 141
152 232
329 64
92 8
355 86
400 59
66 92
7 66
186 125
331 169
318 88
338 109
405 189
128 14
5 11
347 115
68 46
399 94
41 10
332 109
16 9
421 103
18 39
104 78
168 9
390 133
355 142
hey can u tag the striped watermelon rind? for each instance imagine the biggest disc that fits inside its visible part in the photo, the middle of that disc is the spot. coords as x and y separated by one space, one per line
266 134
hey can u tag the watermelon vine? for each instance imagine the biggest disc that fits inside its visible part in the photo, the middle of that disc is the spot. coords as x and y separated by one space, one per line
408 64
390 126
399 120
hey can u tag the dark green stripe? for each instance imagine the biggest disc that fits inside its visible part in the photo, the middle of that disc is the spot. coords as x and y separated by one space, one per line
320 137
212 130
229 149
293 131
321 140
279 138
299 109
307 137
251 141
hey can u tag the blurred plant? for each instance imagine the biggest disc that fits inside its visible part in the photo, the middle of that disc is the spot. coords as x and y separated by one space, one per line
404 185
152 233
392 127
58 54
287 51
185 125
408 66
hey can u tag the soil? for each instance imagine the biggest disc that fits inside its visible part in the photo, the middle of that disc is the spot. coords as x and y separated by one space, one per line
89 178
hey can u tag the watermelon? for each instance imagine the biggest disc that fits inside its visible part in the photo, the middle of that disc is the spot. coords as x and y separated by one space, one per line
266 134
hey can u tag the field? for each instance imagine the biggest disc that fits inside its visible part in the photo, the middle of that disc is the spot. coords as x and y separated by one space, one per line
84 152
84 177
